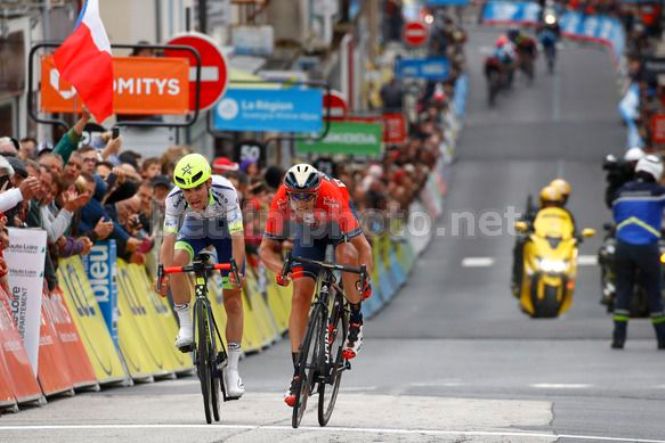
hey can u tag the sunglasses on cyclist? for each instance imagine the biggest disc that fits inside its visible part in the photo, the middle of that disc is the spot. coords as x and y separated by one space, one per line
302 196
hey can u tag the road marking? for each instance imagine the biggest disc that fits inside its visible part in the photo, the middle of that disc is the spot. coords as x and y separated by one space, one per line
587 260
560 386
477 262
360 388
556 96
332 429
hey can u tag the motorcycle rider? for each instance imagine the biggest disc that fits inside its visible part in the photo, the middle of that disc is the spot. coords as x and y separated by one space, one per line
550 196
638 215
620 172
565 189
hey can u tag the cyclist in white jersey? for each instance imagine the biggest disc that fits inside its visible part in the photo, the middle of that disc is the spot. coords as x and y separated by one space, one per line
202 211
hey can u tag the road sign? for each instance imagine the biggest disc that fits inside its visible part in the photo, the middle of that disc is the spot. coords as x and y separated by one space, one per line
270 110
415 33
214 71
337 104
251 150
431 68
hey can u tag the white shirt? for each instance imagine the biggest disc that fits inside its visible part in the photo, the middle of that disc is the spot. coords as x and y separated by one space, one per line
222 203
10 198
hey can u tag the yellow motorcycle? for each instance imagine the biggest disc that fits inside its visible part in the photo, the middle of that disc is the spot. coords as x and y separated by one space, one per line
550 263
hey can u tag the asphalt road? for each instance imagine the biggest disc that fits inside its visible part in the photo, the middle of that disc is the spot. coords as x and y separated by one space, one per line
451 358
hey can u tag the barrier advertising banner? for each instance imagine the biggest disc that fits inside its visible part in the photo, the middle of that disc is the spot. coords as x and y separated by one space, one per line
100 266
54 376
142 85
25 257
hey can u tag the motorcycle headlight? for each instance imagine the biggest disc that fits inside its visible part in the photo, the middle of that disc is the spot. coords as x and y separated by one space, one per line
610 250
550 19
554 266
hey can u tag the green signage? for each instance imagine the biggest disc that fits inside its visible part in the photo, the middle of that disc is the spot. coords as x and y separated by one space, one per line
357 138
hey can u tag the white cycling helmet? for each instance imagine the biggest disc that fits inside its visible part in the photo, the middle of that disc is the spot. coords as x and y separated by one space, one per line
634 154
650 164
302 178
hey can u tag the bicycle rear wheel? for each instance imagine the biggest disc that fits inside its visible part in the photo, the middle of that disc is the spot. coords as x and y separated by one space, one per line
203 363
336 332
309 363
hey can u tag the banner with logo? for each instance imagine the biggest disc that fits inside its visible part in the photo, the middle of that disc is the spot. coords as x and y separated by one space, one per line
429 68
100 266
143 86
25 257
270 110
22 379
355 138
80 369
90 324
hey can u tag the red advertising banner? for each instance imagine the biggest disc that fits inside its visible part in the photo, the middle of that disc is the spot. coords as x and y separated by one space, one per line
658 128
54 376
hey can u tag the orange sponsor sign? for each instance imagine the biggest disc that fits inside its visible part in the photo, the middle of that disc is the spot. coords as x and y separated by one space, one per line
142 85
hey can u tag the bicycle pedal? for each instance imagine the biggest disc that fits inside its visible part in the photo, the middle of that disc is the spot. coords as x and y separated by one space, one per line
186 349
231 398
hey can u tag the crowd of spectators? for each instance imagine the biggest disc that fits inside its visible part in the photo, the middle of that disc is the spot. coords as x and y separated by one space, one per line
82 194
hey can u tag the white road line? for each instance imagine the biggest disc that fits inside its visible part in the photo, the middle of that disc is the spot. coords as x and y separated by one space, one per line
332 429
587 260
477 262
560 386
360 388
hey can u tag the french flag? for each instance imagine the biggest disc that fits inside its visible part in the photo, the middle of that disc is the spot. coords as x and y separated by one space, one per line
85 61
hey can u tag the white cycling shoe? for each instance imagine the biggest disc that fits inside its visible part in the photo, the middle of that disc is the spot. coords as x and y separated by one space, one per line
233 384
185 339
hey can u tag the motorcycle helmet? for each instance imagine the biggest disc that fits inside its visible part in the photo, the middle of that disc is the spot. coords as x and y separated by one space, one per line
652 165
563 186
634 154
513 34
550 195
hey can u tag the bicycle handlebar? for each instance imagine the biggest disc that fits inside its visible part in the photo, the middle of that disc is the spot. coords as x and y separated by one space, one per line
197 266
362 270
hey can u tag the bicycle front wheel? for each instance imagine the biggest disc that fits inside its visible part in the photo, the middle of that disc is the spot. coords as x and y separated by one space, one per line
337 328
215 374
203 360
309 363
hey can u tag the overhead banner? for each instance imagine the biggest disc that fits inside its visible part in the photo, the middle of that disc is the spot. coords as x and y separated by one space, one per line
270 110
429 68
438 3
575 25
100 265
355 138
143 86
25 257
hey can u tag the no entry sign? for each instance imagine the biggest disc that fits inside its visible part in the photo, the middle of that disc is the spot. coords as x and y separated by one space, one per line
214 72
415 33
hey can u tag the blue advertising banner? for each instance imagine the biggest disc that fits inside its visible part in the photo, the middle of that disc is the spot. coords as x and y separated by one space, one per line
430 68
270 110
574 25
436 3
100 266
509 12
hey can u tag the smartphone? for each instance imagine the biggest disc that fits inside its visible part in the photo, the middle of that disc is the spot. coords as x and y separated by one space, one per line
115 132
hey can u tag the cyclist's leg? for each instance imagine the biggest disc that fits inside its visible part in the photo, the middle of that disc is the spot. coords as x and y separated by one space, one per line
234 324
304 282
185 249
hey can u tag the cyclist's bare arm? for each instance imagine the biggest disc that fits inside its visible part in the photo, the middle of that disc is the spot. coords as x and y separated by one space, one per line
364 252
238 245
166 251
269 251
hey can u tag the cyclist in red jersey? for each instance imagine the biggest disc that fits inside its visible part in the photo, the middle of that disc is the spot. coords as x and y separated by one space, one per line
315 211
